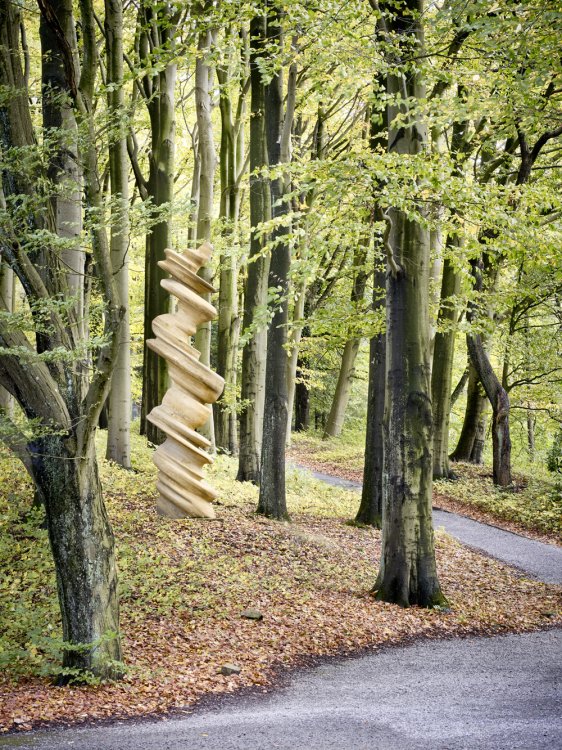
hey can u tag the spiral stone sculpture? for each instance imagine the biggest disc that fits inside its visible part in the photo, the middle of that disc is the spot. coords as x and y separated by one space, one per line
194 387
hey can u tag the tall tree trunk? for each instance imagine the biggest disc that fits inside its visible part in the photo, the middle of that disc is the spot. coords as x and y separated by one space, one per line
6 303
338 408
272 498
255 293
228 328
442 370
87 584
208 160
351 349
370 509
407 573
57 394
119 422
295 335
474 415
497 395
159 91
59 125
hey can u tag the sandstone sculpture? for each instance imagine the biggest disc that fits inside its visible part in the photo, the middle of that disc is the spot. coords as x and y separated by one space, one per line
193 387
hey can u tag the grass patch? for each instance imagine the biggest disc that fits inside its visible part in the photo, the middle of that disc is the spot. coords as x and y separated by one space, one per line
535 502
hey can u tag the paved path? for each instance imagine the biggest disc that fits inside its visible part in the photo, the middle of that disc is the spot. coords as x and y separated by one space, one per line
502 693
541 561
493 693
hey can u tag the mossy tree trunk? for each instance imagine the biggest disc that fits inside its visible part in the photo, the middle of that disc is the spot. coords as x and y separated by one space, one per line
407 573
57 393
83 551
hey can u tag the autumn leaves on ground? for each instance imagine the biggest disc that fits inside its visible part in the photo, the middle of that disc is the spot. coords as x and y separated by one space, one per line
184 585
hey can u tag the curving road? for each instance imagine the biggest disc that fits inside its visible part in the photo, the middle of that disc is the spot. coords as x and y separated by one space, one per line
497 693
501 693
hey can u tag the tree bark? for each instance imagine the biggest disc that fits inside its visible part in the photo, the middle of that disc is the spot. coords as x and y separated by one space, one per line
370 509
497 395
442 370
295 335
159 90
119 418
272 498
59 125
474 416
255 292
57 394
83 550
208 161
459 388
407 573
228 328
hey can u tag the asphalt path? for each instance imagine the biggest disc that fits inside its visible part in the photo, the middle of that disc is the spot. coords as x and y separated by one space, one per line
501 693
494 693
539 560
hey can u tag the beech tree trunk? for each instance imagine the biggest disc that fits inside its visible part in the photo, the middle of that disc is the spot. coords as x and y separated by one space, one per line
159 92
272 498
407 573
295 336
497 395
59 125
56 393
370 509
119 417
255 293
228 328
208 161
83 550
442 370
474 418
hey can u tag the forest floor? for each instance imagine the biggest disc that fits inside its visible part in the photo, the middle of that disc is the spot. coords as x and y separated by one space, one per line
185 584
532 508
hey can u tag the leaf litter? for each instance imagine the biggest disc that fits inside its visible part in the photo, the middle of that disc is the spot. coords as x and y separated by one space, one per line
184 585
